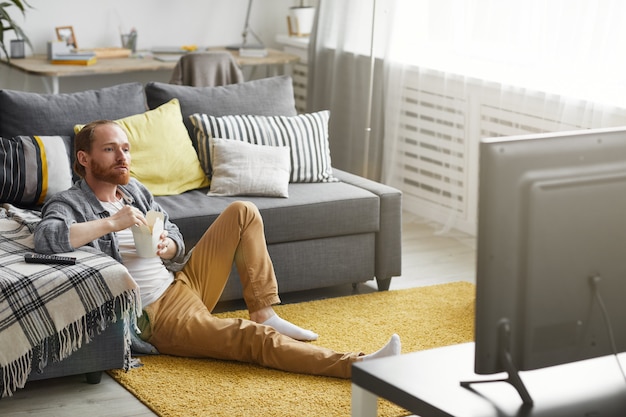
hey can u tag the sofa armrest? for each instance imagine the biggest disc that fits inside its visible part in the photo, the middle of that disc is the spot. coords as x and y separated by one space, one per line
389 236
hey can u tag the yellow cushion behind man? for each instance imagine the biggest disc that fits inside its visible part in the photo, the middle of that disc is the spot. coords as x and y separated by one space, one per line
163 157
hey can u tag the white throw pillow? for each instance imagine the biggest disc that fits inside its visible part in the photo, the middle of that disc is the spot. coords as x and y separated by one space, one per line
241 168
306 135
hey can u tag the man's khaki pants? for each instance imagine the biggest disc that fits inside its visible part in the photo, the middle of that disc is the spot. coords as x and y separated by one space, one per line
181 323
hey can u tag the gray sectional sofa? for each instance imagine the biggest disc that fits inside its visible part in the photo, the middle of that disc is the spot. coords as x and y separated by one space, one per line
323 234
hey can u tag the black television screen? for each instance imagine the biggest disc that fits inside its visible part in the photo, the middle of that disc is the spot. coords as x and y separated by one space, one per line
551 249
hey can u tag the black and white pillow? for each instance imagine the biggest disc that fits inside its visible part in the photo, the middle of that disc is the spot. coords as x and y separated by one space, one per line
34 168
306 135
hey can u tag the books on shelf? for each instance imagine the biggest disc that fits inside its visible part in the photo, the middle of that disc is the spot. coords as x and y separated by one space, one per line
89 61
74 58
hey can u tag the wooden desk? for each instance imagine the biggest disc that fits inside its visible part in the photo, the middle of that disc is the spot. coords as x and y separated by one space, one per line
40 66
427 383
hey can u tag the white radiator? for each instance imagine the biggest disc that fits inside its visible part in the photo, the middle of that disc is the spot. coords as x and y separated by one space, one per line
442 119
299 76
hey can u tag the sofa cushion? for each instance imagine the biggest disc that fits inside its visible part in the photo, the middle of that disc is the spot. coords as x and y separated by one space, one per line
26 113
267 96
241 168
34 168
161 150
327 210
306 135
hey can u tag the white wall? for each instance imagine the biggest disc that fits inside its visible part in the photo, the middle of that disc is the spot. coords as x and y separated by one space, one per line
97 23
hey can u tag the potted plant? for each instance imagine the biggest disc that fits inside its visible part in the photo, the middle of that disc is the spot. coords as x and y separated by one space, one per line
7 24
300 19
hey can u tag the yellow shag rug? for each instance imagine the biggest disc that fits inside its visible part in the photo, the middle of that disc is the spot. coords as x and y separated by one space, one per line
424 317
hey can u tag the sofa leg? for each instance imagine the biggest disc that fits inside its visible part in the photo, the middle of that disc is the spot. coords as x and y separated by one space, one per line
93 377
383 283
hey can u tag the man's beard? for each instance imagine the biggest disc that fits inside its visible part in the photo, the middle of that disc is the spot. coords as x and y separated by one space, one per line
110 174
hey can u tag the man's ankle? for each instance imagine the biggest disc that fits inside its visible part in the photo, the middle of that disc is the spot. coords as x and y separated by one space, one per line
262 315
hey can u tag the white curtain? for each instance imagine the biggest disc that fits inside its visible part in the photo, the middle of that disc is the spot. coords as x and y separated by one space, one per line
339 78
449 72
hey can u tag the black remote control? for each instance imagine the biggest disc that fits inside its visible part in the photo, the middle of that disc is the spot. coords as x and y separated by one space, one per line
39 258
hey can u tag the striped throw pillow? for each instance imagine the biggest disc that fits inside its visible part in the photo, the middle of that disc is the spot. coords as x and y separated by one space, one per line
34 168
306 135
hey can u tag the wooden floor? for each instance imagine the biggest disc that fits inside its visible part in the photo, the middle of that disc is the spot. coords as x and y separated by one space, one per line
428 258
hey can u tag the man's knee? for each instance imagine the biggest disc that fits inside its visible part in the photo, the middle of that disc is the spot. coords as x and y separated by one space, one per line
243 207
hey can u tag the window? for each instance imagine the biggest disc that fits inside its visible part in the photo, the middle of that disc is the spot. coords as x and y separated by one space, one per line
569 47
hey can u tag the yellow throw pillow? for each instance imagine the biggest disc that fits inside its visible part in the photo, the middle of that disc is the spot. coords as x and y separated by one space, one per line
163 157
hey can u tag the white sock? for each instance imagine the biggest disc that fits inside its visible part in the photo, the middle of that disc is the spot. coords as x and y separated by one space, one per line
290 329
392 348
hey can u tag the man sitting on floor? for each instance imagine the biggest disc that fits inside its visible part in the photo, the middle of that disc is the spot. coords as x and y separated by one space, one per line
100 210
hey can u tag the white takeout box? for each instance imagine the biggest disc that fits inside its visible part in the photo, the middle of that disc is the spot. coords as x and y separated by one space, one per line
147 236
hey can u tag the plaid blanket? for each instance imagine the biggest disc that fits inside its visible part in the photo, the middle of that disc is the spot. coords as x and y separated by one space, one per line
50 310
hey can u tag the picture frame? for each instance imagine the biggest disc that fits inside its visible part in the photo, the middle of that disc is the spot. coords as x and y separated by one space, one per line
66 33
